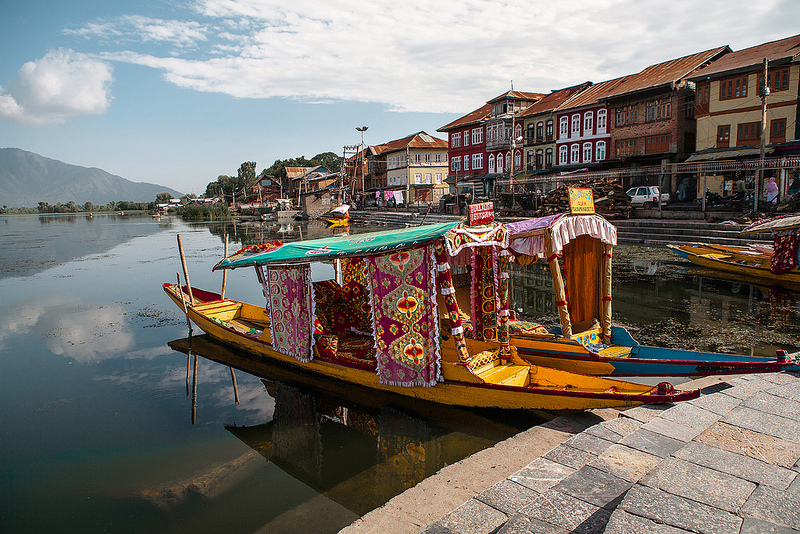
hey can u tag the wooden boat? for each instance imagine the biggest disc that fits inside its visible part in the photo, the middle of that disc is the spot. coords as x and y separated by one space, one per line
753 262
338 216
587 342
403 352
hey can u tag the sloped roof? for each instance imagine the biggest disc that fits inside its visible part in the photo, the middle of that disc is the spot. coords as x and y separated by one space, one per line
417 140
470 118
296 172
668 72
593 94
553 100
516 95
787 49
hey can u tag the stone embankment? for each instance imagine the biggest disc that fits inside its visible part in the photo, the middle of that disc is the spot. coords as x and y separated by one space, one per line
728 461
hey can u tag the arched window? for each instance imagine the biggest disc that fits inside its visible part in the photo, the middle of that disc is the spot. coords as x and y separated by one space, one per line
601 121
491 163
530 132
499 163
539 131
587 152
562 155
517 159
517 134
588 122
563 128
548 158
576 126
600 151
575 153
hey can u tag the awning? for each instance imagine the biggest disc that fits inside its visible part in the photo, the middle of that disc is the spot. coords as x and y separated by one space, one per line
748 152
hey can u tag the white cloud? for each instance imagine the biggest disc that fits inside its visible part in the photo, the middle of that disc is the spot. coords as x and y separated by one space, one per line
417 55
61 84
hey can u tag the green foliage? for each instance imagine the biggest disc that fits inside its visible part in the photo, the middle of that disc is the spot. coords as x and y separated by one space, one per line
247 172
163 197
197 212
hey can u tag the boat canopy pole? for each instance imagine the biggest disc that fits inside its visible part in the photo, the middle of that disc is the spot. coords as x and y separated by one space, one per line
606 319
445 283
558 285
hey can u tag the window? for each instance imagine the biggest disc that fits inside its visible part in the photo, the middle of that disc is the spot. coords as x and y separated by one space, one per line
575 153
477 136
455 140
733 88
576 126
539 159
438 158
562 155
417 158
601 121
491 164
517 159
477 162
428 178
777 131
455 163
627 147
748 133
702 97
466 163
658 109
655 144
418 178
600 151
500 163
563 127
548 158
626 115
548 130
427 158
466 138
776 81
587 152
588 122
723 136
530 133
539 131
438 177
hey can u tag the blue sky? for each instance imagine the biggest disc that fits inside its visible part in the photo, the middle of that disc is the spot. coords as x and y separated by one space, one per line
179 92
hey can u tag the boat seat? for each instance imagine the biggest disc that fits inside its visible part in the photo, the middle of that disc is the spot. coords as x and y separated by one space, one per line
518 328
347 349
615 351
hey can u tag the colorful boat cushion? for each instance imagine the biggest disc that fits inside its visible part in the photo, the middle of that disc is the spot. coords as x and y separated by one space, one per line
405 316
348 349
291 310
356 293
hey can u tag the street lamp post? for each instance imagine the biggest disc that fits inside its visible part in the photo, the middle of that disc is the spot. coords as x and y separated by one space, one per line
363 177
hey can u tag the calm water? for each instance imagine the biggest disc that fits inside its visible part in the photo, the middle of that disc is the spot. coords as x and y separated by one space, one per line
99 393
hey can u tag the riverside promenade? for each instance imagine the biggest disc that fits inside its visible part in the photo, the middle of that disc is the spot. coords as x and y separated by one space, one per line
727 462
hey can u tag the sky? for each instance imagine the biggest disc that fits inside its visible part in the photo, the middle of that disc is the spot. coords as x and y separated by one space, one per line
178 92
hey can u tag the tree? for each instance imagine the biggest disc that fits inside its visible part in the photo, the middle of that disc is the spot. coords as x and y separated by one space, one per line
247 172
163 197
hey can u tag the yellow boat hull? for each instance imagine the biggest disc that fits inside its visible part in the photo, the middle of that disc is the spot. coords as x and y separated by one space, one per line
546 389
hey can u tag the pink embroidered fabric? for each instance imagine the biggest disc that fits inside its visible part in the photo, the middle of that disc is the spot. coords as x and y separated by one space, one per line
291 310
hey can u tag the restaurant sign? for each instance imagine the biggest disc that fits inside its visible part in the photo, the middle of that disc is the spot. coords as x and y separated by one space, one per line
581 201
482 213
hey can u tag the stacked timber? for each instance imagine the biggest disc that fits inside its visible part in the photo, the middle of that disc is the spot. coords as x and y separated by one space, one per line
610 199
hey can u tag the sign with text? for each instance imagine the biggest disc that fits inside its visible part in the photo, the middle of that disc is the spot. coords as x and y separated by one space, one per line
581 201
482 213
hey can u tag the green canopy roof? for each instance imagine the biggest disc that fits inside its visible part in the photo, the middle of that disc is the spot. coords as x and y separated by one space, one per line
366 244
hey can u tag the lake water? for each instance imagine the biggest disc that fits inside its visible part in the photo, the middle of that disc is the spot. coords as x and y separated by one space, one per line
108 424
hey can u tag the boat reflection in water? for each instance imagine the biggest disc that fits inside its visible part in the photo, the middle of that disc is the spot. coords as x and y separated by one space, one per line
357 447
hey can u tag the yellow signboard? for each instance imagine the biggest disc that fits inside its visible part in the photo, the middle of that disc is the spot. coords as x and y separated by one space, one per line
581 201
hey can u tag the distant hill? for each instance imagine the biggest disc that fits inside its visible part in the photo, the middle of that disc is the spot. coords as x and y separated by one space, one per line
27 179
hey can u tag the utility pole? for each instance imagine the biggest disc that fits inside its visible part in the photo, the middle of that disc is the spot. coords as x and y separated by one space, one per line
763 91
363 177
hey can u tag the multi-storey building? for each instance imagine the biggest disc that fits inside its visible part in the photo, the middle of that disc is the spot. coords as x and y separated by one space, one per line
504 132
468 162
652 112
728 106
539 126
583 135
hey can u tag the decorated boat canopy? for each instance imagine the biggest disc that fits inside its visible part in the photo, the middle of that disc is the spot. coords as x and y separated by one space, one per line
786 223
346 246
528 237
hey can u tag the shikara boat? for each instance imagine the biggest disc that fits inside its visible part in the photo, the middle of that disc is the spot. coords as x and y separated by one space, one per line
752 262
586 342
338 216
378 326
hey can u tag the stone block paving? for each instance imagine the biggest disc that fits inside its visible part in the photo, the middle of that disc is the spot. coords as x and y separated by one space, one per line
727 462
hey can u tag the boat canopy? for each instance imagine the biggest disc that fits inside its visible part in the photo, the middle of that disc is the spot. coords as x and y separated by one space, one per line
528 237
346 246
789 223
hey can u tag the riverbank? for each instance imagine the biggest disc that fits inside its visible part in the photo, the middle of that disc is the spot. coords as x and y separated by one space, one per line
728 461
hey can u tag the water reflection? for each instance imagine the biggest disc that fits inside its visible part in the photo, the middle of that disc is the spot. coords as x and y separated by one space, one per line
70 327
354 446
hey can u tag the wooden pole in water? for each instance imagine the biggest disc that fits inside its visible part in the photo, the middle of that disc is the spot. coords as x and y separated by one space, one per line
235 387
185 270
224 271
194 392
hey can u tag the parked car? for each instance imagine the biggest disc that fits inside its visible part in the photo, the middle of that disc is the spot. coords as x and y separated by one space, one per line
646 196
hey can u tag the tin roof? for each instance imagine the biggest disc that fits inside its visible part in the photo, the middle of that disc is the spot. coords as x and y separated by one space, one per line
470 118
553 100
517 95
296 172
417 140
787 49
668 72
593 94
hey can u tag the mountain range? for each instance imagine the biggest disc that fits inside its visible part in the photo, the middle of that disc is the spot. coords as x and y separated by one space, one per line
27 179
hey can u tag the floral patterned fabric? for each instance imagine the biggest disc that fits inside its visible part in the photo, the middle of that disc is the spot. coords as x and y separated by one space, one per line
484 299
784 257
405 317
356 293
291 310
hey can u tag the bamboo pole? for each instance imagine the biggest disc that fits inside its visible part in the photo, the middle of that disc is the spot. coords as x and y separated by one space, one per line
606 319
558 286
224 271
183 301
185 270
